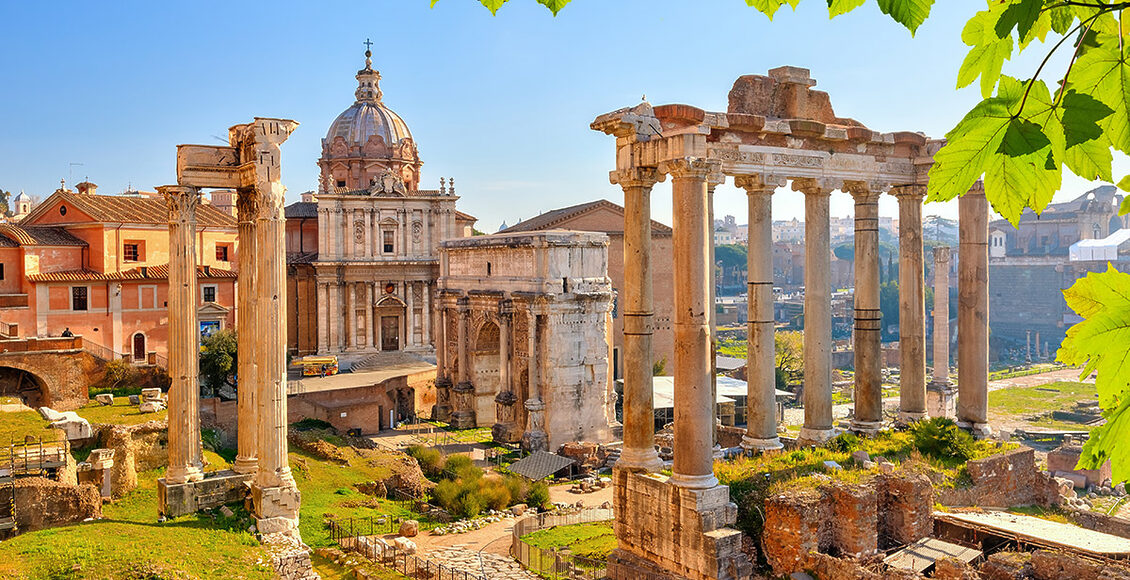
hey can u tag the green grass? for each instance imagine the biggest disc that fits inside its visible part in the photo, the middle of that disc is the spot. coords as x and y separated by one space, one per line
15 426
591 540
1029 401
120 413
1033 370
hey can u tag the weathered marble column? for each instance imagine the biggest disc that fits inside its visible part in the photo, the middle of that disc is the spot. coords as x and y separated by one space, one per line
761 379
369 297
867 345
409 315
912 305
274 494
247 430
636 308
694 460
505 430
350 315
442 409
713 180
464 415
185 452
818 426
323 317
428 317
940 392
973 312
535 438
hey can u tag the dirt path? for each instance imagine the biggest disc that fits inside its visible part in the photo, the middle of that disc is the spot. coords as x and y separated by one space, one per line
1036 380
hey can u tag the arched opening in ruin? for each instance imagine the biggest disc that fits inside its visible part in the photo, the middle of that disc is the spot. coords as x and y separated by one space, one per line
485 366
28 388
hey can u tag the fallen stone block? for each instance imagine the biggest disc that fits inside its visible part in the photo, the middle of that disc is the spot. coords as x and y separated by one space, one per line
151 406
1077 480
404 545
409 528
153 394
832 465
50 414
134 400
518 509
860 456
105 399
74 427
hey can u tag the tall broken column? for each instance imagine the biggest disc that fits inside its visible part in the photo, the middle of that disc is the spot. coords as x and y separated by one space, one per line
247 442
464 391
912 305
694 401
442 409
973 312
940 392
761 378
868 319
274 494
636 308
185 451
505 429
535 438
818 427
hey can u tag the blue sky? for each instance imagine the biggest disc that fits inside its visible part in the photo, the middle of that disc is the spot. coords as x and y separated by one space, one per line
501 103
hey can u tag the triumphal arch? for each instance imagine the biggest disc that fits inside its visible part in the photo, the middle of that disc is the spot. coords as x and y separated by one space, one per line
250 164
776 131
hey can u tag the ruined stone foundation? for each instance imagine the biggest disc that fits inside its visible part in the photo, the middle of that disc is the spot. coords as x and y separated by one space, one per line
673 533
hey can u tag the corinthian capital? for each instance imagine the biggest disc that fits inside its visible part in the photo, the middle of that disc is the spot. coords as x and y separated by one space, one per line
865 191
759 183
814 186
694 167
645 177
181 201
909 192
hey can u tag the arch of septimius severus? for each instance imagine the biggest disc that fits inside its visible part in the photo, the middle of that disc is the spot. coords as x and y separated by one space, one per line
777 131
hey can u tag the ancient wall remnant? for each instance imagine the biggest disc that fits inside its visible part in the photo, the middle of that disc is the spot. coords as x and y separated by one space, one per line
793 525
136 448
906 507
855 519
1004 480
41 503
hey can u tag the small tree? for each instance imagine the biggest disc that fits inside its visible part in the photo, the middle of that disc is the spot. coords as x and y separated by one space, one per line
659 368
218 360
119 375
789 356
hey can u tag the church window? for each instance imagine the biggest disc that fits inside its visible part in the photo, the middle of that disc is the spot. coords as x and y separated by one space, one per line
62 210
387 236
78 298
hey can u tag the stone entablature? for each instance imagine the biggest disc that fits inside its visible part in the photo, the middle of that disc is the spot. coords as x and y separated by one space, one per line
504 296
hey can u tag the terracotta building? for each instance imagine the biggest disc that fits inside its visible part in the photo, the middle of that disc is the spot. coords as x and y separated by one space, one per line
608 218
362 251
97 265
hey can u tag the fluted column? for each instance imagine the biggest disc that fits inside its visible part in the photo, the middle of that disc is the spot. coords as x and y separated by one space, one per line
442 410
694 460
912 305
247 434
636 308
939 393
761 380
818 426
185 452
973 312
713 180
535 438
505 430
868 320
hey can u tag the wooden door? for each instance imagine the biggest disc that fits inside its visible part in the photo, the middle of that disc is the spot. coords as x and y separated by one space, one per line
390 333
139 346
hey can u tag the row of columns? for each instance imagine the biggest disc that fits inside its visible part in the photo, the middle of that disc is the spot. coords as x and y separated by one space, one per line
339 333
337 232
694 397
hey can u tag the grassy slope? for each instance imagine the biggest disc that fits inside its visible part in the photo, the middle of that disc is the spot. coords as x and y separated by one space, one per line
592 540
120 413
1031 401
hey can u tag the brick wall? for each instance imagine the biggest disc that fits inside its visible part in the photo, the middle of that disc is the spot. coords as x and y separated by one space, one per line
1004 480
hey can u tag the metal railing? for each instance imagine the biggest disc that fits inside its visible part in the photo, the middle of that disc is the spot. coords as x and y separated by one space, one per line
361 536
98 351
558 564
34 457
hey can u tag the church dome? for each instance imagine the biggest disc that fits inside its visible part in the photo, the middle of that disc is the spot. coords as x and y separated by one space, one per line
368 116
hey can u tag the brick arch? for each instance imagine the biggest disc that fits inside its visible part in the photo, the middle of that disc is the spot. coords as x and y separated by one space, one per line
64 376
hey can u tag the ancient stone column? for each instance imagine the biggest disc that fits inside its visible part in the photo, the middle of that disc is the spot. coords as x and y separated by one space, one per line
818 426
535 438
247 442
912 305
274 494
323 317
636 308
713 180
409 315
350 315
185 452
505 430
694 402
369 297
868 348
973 312
442 410
761 379
940 393
464 415
428 315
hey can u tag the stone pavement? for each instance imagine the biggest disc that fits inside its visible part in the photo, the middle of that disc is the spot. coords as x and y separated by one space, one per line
483 564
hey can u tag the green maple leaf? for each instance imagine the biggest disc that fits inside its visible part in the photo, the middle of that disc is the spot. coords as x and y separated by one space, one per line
1103 72
1100 342
770 7
970 144
1125 207
554 6
1021 15
988 54
909 13
1088 150
492 5
838 7
1061 17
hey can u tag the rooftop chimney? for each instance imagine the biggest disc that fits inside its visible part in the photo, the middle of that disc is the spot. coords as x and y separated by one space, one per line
87 188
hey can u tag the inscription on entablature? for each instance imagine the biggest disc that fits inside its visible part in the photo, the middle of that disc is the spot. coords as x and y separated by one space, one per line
789 160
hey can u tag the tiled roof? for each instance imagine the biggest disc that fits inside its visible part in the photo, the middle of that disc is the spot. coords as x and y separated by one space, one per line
302 209
465 216
553 218
160 272
38 236
138 210
540 465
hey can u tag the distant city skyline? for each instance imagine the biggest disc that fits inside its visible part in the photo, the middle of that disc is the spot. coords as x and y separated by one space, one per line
500 103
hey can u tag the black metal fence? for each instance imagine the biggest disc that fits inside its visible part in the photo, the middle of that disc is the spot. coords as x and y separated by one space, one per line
557 564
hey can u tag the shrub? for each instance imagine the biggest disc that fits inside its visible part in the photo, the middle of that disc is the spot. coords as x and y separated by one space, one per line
456 462
446 493
469 505
430 459
538 496
120 380
494 494
309 424
515 486
940 438
844 443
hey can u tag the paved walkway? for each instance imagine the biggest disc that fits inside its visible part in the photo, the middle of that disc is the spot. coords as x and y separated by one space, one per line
486 565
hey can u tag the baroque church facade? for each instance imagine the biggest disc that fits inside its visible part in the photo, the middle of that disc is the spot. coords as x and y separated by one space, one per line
362 252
